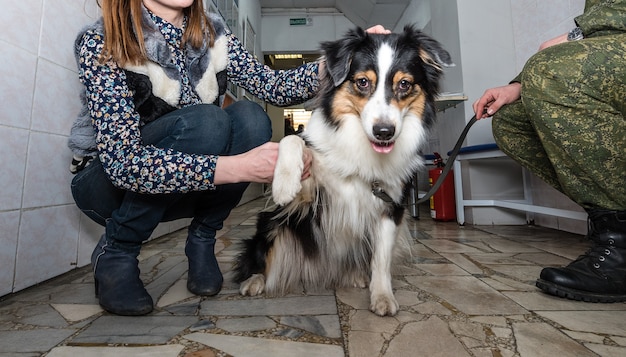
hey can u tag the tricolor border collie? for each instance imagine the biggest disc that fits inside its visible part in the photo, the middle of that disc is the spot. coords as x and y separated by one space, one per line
345 224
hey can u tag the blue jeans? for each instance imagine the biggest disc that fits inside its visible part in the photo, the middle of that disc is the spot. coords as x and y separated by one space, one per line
131 217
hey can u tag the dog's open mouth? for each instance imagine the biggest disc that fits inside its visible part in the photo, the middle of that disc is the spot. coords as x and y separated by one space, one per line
382 147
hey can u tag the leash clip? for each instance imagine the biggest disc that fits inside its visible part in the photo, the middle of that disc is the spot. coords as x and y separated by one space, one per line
379 192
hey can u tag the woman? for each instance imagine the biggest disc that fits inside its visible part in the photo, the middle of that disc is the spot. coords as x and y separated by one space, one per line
150 144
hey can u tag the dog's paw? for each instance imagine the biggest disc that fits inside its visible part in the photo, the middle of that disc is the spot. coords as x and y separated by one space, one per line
253 286
360 282
283 193
288 171
384 305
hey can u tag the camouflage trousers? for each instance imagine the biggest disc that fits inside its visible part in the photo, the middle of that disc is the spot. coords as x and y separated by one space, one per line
569 127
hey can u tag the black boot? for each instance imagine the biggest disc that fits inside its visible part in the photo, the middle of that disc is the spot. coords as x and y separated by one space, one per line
116 272
204 277
600 274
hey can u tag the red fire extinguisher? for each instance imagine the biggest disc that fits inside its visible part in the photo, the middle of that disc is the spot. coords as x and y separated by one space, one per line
442 206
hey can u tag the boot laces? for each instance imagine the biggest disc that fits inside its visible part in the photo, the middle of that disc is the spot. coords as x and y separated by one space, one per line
597 253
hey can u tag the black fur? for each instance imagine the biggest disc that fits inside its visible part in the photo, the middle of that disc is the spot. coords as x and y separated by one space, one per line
251 260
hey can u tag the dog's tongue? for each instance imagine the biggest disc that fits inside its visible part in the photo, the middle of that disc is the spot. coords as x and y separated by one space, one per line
382 148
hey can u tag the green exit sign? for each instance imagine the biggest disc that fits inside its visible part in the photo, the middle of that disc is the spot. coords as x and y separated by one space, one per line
300 21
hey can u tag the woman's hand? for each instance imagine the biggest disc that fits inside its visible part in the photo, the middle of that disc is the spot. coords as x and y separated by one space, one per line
256 165
379 29
493 99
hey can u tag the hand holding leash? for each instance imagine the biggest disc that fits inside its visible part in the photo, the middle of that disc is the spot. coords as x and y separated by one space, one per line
493 99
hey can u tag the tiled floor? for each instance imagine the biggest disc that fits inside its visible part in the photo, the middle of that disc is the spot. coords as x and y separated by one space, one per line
468 292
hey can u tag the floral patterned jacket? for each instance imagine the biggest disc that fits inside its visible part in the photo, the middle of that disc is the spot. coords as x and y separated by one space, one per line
118 101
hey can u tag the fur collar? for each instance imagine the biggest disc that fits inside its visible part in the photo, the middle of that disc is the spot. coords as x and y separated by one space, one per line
203 63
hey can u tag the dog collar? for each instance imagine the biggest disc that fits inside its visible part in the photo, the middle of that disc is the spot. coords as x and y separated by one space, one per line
379 192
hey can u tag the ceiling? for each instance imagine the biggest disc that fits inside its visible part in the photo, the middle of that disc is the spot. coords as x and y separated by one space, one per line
363 13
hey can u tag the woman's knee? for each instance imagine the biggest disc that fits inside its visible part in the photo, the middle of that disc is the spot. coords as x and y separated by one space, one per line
249 118
251 126
243 117
198 129
202 121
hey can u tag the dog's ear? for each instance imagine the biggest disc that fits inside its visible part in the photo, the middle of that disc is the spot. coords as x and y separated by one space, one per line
430 50
338 54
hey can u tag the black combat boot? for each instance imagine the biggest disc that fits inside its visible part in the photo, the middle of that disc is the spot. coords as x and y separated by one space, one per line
204 276
116 273
600 274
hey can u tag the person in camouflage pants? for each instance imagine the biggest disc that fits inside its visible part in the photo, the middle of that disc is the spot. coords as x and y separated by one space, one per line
563 118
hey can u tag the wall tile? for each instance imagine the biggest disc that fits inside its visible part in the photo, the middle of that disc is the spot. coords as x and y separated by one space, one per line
550 14
576 7
12 165
48 176
17 87
521 5
48 240
546 195
56 102
9 221
21 23
572 225
59 30
90 233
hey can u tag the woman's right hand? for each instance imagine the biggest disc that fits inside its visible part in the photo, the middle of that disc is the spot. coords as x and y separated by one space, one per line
256 165
493 99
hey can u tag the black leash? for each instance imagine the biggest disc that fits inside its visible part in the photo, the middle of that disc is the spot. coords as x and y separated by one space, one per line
380 193
449 163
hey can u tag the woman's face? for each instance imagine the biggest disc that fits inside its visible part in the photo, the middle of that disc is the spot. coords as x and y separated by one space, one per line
172 4
170 10
167 5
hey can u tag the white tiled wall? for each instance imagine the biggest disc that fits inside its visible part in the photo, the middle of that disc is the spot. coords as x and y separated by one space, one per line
40 225
42 233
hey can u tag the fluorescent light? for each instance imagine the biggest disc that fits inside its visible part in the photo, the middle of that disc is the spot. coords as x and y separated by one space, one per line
287 56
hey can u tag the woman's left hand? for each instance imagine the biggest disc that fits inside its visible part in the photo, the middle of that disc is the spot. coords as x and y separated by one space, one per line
378 29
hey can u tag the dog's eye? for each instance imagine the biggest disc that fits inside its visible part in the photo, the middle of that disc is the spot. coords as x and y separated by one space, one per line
404 85
362 83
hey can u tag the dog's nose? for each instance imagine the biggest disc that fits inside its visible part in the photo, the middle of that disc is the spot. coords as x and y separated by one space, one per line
384 131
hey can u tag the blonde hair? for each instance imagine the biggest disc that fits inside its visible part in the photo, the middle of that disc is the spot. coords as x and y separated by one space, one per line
123 34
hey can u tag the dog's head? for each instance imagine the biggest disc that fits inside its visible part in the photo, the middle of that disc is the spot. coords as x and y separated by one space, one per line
382 81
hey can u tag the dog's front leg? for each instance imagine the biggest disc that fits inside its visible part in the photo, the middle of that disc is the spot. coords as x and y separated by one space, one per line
288 170
382 301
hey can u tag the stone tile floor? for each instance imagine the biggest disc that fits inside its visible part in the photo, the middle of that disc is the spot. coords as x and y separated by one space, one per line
469 291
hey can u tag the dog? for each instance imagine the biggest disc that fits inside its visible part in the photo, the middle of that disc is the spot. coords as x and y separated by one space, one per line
345 225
